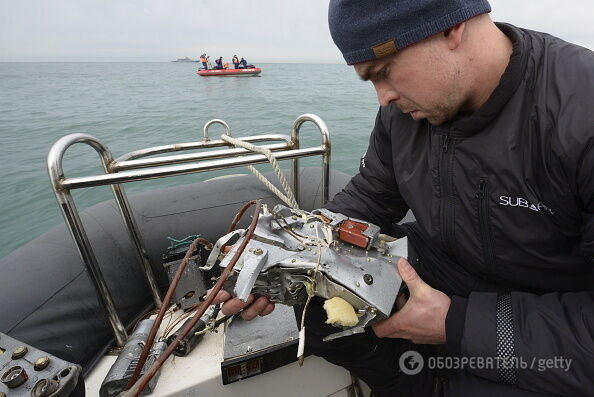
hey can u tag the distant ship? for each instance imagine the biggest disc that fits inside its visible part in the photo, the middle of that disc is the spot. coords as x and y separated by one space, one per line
186 59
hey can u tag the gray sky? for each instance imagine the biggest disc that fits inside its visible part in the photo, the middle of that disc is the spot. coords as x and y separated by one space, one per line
260 30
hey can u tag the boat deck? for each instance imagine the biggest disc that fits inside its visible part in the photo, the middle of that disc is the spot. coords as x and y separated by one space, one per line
199 374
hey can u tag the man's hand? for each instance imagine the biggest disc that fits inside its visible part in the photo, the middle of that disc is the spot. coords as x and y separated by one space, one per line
260 306
422 318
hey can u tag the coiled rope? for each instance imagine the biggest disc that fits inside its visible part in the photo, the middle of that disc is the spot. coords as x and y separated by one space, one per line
288 197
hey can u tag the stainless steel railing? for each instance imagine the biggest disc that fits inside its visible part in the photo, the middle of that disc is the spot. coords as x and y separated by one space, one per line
134 166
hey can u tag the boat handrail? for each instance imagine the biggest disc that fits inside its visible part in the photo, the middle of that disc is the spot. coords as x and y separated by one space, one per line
135 159
134 166
215 121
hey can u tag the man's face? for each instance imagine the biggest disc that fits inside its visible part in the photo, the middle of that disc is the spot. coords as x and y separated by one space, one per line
421 79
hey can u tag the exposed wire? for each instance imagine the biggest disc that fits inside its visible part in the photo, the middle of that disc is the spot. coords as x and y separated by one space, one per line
164 307
136 388
172 324
311 289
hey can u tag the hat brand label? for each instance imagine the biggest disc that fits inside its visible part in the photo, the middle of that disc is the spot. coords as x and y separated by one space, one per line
384 49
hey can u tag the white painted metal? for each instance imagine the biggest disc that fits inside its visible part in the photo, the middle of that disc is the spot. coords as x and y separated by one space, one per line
199 374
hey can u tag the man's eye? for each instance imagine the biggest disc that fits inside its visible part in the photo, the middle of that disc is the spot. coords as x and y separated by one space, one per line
380 74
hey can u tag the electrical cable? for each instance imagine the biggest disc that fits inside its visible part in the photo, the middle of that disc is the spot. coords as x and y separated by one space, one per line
164 307
136 387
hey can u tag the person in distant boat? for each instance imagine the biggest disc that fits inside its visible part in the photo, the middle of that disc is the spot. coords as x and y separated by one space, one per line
226 65
243 63
235 61
219 63
204 61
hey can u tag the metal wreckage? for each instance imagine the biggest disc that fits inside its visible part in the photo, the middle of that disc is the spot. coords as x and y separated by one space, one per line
286 254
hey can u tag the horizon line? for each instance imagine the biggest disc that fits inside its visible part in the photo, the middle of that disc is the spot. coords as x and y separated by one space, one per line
113 61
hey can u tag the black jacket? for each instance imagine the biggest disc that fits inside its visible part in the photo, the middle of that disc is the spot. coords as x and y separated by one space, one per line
504 207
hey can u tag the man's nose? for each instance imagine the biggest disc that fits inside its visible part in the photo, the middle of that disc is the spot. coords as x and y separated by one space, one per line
385 93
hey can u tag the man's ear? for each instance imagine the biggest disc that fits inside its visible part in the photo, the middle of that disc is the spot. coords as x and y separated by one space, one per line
453 35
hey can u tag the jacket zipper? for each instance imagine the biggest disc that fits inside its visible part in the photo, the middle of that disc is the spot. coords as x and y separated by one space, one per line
447 210
486 237
446 143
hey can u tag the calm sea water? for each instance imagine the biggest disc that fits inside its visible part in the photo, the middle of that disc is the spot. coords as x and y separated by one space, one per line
129 106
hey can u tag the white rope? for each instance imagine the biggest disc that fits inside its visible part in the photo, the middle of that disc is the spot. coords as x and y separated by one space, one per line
325 242
289 198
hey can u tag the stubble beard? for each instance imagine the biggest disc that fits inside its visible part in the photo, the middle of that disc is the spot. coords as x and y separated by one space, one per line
447 108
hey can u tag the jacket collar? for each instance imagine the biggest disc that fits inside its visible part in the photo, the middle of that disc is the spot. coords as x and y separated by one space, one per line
510 80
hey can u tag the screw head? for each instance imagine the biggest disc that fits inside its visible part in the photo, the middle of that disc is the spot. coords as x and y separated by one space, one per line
368 278
19 352
258 251
41 363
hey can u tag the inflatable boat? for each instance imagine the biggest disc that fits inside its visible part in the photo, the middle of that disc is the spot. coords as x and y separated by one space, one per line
247 72
74 298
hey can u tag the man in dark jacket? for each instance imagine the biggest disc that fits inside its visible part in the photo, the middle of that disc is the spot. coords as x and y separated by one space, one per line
486 133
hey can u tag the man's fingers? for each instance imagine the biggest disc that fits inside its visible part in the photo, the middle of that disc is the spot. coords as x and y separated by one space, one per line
255 308
268 309
409 275
407 272
400 301
235 305
251 309
386 328
221 297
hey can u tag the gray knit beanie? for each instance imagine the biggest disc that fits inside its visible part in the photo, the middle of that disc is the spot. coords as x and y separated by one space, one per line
369 29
